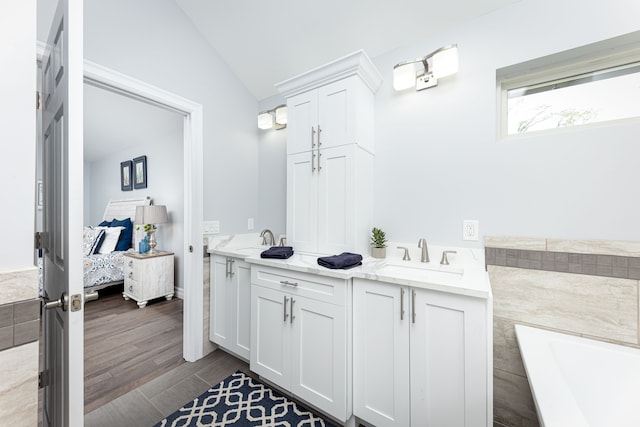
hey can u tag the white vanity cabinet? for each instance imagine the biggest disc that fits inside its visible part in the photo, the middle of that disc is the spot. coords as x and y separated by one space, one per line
230 304
299 336
420 357
330 146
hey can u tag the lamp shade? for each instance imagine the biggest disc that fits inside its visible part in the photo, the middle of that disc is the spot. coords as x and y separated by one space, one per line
404 76
265 120
154 214
445 62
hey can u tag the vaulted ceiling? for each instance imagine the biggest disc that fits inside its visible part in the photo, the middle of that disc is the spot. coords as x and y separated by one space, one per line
265 42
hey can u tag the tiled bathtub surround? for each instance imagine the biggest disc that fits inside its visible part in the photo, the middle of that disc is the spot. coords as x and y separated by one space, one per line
586 288
624 267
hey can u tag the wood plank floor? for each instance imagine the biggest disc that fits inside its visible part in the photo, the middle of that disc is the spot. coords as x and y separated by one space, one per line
126 347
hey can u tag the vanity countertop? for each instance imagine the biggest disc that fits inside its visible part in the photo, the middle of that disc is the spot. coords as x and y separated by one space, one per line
465 275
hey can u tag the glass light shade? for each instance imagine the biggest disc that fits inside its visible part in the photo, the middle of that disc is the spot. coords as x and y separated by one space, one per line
404 76
265 120
445 63
154 214
281 115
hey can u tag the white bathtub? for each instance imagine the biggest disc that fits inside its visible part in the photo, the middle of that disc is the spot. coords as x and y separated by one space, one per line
581 382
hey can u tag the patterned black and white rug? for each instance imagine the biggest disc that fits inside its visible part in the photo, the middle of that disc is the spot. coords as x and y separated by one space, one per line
241 401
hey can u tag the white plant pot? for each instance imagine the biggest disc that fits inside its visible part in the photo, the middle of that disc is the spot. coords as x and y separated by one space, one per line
378 252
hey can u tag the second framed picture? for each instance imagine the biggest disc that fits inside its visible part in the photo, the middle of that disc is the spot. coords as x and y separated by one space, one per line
140 172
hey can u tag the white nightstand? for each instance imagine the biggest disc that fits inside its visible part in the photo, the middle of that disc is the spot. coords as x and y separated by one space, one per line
148 276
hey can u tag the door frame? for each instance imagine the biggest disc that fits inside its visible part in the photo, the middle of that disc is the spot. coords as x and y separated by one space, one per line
193 309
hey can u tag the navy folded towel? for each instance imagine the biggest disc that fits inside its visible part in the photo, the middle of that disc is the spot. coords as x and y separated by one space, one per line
343 261
278 252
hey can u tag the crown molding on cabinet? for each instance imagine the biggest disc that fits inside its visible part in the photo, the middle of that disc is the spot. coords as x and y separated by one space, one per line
356 63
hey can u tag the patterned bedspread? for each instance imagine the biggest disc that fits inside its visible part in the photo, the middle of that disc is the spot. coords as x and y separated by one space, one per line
101 269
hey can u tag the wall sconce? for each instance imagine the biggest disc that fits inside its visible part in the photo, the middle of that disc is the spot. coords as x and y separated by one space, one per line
444 62
266 118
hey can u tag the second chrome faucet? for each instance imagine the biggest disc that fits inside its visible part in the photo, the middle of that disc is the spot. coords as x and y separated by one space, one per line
422 243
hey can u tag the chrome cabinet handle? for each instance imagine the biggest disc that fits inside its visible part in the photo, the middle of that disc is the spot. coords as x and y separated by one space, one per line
131 288
313 161
226 267
313 133
287 283
231 273
284 308
292 316
131 275
413 306
319 156
401 303
130 263
319 130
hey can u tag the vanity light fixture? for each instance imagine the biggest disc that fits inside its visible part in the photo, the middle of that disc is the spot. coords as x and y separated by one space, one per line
444 62
266 118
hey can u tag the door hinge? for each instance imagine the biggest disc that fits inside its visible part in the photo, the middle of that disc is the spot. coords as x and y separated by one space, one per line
43 379
37 240
38 100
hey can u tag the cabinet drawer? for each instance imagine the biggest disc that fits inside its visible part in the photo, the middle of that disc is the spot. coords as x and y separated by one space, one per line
321 288
130 270
132 287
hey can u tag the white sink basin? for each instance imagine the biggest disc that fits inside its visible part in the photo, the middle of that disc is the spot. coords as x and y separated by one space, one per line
423 272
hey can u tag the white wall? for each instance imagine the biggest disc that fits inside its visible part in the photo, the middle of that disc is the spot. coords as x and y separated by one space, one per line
18 132
273 174
152 40
165 183
438 160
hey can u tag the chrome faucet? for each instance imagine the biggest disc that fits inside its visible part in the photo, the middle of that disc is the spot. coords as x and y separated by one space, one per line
422 243
272 240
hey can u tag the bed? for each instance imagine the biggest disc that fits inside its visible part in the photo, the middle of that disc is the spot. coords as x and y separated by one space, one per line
103 270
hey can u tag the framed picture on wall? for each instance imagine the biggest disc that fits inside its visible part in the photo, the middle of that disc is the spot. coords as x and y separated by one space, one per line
126 175
140 172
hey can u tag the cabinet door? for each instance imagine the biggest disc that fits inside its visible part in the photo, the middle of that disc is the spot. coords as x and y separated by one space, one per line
448 361
381 353
302 201
302 126
319 360
221 291
241 313
336 198
336 113
271 335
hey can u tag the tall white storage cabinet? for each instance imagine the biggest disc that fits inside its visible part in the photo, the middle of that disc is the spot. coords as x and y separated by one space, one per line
420 357
330 152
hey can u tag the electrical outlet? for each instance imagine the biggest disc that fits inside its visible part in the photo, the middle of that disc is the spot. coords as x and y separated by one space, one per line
211 227
250 224
470 229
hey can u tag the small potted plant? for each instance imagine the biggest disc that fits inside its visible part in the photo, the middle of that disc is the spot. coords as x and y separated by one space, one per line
378 243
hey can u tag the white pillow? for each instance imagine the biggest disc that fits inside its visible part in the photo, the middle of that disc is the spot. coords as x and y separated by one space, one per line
111 236
91 239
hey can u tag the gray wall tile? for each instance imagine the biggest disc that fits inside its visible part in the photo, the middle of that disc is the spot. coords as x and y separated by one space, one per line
26 332
6 315
6 337
26 311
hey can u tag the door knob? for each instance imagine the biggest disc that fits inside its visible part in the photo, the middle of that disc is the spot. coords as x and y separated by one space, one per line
62 302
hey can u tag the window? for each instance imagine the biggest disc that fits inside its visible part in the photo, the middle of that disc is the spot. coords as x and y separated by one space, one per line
574 93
